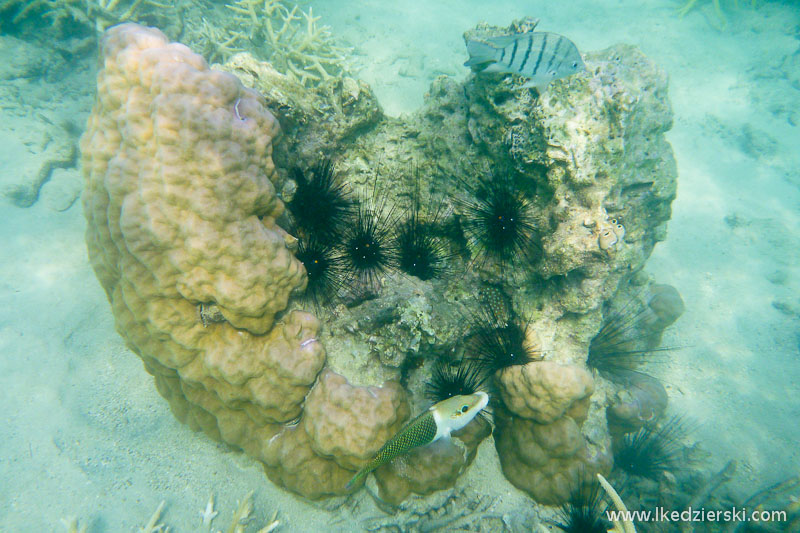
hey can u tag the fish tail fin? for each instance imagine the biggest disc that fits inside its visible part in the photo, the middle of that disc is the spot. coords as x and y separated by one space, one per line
356 478
480 54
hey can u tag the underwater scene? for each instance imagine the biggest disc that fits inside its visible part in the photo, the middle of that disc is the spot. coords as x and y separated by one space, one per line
410 266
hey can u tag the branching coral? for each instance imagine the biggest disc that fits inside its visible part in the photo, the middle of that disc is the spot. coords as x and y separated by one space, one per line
217 44
283 34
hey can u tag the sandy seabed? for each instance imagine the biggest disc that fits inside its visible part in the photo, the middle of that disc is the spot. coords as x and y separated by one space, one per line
84 433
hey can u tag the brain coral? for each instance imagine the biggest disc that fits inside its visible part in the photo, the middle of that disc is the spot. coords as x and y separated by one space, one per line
181 209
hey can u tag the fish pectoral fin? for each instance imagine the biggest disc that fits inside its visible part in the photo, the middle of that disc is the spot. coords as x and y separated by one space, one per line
533 84
494 67
478 66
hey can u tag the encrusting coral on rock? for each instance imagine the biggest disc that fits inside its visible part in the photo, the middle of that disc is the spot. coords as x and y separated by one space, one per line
186 233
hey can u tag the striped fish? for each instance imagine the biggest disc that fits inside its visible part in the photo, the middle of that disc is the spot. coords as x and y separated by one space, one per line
540 56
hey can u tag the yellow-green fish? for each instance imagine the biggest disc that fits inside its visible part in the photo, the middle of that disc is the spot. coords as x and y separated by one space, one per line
438 421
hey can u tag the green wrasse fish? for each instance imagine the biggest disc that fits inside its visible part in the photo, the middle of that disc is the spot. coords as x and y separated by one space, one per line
438 421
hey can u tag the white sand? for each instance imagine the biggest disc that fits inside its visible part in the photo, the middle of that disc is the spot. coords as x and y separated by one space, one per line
83 431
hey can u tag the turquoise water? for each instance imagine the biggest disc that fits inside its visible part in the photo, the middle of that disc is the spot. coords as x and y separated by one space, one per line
84 432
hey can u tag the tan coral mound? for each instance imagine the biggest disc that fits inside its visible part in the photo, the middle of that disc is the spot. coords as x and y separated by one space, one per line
181 209
543 391
350 424
538 438
547 460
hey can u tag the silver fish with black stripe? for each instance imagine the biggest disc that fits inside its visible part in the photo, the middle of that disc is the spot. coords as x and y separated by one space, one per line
540 56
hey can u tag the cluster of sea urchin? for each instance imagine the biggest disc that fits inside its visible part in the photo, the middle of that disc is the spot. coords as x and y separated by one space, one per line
353 243
321 209
344 241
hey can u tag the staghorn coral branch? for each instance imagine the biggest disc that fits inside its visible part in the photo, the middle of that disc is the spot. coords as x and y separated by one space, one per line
285 35
620 526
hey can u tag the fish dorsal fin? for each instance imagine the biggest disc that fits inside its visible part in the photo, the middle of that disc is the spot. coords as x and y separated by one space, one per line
501 41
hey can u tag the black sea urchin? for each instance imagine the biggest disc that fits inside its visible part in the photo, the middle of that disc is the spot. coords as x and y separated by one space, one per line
623 343
324 269
499 341
499 222
367 246
321 207
449 380
584 511
652 450
420 250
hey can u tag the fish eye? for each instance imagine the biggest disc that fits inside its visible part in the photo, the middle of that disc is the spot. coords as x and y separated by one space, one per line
575 64
464 408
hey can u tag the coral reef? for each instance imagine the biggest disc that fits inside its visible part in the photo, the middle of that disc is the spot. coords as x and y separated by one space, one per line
186 233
